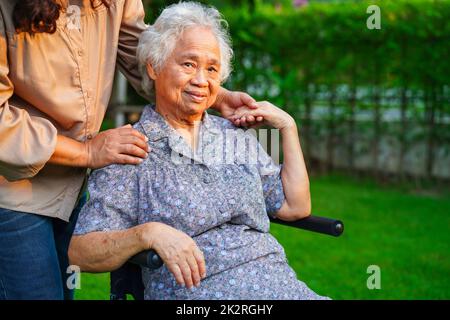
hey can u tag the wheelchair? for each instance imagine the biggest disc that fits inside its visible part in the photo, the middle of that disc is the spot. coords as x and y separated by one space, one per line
128 278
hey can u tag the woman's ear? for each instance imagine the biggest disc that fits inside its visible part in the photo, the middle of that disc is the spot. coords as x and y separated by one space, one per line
151 72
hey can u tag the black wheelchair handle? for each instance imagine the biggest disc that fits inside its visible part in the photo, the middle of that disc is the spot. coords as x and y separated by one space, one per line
147 258
331 227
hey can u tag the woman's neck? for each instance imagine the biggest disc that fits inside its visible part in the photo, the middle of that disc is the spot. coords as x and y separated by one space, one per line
187 125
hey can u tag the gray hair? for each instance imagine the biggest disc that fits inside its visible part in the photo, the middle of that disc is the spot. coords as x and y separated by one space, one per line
158 41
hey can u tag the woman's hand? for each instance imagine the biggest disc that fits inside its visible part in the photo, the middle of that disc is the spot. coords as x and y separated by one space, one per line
123 145
179 252
272 115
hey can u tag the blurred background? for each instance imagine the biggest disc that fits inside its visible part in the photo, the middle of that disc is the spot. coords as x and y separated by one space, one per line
373 112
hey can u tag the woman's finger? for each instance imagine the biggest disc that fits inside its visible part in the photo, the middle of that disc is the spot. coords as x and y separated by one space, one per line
199 257
176 271
187 274
259 119
195 273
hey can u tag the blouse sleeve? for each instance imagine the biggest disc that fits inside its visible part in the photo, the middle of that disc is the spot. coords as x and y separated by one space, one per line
131 27
272 185
113 200
26 142
273 189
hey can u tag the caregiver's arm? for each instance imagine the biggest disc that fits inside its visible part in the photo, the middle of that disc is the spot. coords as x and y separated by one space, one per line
123 145
293 174
105 251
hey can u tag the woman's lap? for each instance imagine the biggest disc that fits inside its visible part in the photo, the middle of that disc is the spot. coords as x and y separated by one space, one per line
266 278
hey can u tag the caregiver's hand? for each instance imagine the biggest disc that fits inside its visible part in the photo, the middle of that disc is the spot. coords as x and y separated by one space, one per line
123 145
228 101
272 115
178 251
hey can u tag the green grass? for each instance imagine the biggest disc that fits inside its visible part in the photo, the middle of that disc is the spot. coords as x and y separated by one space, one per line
406 235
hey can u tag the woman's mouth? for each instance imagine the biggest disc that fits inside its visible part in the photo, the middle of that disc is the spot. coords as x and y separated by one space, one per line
196 96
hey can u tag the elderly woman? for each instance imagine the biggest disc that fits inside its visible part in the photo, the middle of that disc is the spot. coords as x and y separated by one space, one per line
194 199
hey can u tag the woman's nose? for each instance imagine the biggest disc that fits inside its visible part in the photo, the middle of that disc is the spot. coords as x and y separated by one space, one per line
200 79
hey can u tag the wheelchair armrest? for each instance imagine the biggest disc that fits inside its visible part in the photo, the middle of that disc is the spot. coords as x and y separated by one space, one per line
150 259
323 225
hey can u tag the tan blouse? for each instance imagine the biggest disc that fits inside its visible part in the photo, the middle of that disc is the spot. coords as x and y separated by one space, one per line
58 84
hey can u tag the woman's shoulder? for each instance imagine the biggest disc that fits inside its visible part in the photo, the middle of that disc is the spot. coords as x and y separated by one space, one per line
220 122
113 173
228 128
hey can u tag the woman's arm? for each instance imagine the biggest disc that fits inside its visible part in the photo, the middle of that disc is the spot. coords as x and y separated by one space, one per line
108 250
294 175
105 251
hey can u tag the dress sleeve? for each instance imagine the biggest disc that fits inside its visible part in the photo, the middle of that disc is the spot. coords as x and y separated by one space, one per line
113 200
131 27
26 142
272 185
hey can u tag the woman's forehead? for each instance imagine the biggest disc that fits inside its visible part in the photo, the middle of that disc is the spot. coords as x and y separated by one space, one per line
197 42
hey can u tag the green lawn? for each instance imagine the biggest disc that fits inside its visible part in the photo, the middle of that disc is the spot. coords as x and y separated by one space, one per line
406 235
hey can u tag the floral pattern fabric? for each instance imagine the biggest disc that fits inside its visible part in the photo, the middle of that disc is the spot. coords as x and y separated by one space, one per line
222 204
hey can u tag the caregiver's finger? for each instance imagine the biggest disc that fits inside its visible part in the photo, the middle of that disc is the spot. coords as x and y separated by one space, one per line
126 159
136 141
248 100
132 132
132 150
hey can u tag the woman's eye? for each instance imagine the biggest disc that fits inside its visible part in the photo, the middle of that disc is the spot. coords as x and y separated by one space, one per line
188 64
212 69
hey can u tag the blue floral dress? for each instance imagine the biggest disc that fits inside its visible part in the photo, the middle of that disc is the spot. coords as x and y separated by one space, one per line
220 195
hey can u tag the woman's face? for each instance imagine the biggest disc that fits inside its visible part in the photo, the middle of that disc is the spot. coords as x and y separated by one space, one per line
190 78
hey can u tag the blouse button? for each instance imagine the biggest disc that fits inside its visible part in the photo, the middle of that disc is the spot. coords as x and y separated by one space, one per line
89 136
206 180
